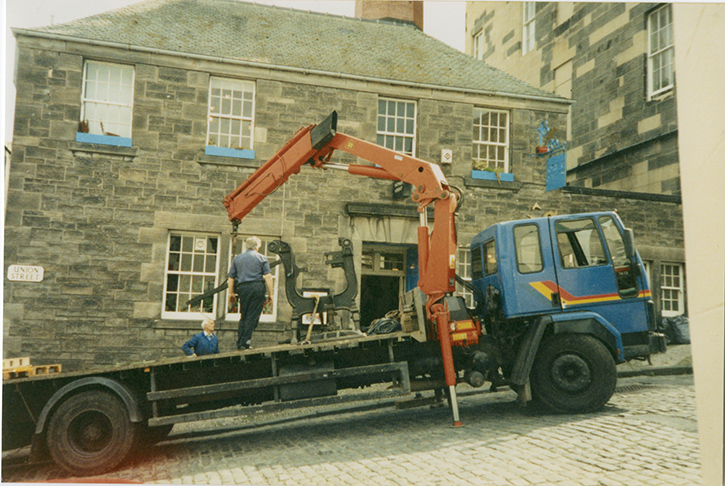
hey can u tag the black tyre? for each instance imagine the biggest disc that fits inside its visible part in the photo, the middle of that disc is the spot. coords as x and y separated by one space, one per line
90 433
573 373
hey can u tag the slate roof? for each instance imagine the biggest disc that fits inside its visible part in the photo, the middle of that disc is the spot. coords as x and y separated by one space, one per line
284 37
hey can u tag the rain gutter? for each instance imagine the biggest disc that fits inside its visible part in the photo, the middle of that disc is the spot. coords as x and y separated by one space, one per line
239 62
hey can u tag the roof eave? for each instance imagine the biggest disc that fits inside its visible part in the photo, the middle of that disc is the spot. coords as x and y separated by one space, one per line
242 62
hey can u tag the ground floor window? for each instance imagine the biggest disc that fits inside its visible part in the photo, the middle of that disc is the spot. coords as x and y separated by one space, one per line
463 270
192 266
672 289
269 313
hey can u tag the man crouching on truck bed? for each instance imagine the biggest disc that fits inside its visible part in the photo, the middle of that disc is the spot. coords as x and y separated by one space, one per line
247 278
203 343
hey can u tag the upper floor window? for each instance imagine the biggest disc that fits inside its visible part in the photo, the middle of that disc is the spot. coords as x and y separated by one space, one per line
528 41
478 45
107 99
490 140
231 114
396 125
660 51
191 270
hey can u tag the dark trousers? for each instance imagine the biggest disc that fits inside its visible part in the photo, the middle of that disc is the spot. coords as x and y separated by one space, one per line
251 303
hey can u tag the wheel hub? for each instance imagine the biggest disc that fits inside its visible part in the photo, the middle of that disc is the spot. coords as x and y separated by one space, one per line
90 431
571 373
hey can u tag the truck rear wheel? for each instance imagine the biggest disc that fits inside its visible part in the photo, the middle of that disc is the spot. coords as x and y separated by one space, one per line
573 373
90 433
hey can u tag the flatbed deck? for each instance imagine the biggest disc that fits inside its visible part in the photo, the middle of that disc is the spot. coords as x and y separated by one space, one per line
244 355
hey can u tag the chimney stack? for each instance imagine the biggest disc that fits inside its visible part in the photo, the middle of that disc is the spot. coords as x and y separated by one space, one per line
401 11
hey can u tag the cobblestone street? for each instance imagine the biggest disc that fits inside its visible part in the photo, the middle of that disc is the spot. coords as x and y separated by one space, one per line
646 435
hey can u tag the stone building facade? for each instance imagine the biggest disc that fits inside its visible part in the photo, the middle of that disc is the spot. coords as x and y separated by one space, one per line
616 61
128 134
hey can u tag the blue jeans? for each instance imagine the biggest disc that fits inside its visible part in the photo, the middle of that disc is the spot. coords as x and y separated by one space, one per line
251 303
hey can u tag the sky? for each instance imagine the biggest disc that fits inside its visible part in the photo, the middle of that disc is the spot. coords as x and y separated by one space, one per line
444 20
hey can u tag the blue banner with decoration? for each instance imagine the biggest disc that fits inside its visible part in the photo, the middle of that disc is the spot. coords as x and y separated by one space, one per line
556 171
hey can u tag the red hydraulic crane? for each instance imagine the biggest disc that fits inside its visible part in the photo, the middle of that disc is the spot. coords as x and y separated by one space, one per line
314 145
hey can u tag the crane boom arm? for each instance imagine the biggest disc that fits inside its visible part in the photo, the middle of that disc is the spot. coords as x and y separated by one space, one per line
314 145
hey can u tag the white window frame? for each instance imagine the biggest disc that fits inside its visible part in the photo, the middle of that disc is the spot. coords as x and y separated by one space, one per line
373 261
487 140
226 135
660 52
528 37
241 243
463 270
404 125
211 275
478 45
672 289
108 98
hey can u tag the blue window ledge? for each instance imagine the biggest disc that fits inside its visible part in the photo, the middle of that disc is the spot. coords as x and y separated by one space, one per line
103 139
491 176
229 152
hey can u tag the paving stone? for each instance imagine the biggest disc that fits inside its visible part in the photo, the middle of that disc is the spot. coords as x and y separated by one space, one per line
499 445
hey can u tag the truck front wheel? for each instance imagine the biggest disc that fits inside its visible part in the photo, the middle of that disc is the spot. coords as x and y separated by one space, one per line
573 373
90 433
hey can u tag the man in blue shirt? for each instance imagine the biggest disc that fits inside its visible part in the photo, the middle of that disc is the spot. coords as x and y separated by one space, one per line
203 343
247 278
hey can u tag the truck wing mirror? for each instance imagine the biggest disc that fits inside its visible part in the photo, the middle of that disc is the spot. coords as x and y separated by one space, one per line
628 239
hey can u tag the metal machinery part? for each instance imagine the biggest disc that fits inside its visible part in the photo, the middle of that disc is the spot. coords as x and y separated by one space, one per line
302 305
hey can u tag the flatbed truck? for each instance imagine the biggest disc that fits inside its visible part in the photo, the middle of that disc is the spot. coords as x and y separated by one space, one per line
559 302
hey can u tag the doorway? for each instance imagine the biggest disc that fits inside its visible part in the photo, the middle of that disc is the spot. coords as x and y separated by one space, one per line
378 296
383 275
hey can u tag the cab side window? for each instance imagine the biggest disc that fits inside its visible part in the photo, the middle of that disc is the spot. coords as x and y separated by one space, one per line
625 275
580 244
490 265
528 248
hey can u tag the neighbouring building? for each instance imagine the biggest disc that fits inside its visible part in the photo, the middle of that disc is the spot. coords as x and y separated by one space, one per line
615 61
132 125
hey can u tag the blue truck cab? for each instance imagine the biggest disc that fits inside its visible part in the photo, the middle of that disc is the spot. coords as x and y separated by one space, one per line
570 278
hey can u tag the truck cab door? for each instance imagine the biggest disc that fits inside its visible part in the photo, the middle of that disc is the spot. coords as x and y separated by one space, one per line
593 273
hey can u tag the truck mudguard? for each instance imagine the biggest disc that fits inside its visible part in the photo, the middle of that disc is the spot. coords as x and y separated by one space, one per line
134 411
575 323
590 323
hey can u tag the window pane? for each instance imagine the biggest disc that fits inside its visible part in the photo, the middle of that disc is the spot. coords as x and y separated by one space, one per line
579 243
231 107
191 272
490 142
528 248
198 263
392 261
490 265
614 241
247 111
396 118
172 283
174 260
